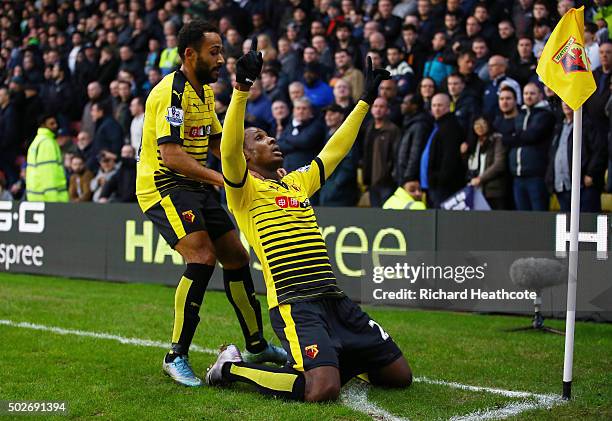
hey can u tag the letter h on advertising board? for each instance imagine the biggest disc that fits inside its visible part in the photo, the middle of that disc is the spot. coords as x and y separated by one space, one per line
599 237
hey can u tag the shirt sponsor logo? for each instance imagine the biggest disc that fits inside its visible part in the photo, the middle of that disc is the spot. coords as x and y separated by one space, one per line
200 131
291 202
175 116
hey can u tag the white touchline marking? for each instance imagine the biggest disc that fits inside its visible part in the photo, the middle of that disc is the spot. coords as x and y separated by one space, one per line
355 396
121 339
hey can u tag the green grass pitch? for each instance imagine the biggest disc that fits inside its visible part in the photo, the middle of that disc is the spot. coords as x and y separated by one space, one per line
106 379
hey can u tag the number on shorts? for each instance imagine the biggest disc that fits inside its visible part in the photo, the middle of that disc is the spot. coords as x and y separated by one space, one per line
384 334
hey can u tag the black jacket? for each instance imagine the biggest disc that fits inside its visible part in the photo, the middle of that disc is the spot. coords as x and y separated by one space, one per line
593 155
58 98
596 104
467 107
416 130
9 129
523 70
123 183
529 143
446 169
340 189
301 144
108 135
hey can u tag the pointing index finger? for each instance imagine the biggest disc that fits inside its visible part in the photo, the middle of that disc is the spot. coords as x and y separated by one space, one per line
254 44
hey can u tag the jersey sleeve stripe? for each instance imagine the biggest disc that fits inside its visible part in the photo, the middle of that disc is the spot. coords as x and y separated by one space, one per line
237 185
178 89
170 139
321 170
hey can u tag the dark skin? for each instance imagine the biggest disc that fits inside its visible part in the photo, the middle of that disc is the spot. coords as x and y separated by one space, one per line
322 383
201 66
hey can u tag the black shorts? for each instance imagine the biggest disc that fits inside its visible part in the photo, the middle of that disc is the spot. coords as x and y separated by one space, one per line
332 332
182 212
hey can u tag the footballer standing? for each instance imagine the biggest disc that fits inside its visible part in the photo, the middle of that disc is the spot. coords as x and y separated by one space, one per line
175 190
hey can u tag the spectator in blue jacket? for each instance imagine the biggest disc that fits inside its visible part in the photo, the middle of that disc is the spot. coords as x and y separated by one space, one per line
437 66
259 108
340 189
317 91
498 65
302 139
528 145
108 134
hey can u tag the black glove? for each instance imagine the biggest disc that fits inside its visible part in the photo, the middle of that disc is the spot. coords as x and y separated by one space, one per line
249 65
372 80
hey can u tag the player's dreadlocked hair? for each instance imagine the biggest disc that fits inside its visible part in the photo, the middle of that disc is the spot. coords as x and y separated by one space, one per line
192 35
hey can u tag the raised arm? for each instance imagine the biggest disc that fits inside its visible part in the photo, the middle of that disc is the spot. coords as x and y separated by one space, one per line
232 140
341 142
233 162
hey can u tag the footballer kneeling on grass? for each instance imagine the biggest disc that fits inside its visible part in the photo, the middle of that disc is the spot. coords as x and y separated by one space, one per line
329 338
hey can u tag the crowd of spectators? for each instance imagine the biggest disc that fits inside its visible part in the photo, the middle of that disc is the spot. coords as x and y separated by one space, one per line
464 105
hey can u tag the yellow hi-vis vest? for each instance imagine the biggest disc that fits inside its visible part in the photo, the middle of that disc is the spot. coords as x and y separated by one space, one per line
169 59
402 200
45 177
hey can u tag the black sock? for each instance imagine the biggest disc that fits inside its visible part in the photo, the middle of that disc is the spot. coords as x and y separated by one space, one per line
187 302
284 382
241 294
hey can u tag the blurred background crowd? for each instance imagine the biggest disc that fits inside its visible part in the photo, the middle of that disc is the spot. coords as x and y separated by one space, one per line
464 105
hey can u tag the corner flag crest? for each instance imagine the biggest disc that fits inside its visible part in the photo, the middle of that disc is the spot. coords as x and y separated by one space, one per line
572 57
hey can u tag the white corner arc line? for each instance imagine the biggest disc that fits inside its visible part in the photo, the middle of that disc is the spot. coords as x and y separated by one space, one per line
530 401
355 396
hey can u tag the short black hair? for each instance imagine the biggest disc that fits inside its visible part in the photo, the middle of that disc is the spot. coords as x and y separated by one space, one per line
457 75
270 71
44 117
417 100
590 27
192 35
105 106
342 25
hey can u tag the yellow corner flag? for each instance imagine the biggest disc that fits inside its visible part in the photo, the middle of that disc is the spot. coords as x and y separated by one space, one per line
564 66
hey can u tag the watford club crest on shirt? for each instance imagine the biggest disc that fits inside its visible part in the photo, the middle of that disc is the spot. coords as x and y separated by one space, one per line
188 216
572 57
312 351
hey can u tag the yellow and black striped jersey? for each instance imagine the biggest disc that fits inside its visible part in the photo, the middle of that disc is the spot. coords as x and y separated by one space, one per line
280 224
173 113
276 216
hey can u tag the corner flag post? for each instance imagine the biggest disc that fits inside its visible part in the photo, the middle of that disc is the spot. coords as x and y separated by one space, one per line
564 67
572 275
